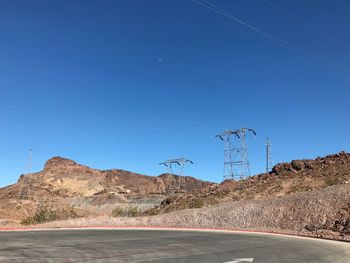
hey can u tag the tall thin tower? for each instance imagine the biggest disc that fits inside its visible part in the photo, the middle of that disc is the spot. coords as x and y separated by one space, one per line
269 162
236 162
24 191
29 162
230 151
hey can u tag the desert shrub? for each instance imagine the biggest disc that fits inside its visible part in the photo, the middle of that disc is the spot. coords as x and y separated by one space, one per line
196 203
45 214
118 212
127 212
168 200
299 188
133 211
151 212
330 180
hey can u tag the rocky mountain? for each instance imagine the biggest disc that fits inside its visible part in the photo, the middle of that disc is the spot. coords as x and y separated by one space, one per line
65 183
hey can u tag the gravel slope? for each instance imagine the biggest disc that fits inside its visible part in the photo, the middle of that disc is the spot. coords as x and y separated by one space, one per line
322 213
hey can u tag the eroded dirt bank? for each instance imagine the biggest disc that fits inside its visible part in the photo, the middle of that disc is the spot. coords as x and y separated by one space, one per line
324 213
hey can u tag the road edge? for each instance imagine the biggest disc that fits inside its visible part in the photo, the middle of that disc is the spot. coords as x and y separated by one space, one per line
169 228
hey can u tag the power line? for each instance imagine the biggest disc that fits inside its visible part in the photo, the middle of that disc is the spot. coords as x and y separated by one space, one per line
301 20
222 12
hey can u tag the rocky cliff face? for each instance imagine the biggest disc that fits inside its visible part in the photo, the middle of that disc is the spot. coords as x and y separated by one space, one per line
64 182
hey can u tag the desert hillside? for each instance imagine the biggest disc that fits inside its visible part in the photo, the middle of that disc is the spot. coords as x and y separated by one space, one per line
321 213
308 197
284 179
64 183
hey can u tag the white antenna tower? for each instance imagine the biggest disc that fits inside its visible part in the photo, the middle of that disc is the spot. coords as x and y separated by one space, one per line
269 162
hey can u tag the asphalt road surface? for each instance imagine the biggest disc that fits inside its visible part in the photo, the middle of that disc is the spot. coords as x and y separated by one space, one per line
164 246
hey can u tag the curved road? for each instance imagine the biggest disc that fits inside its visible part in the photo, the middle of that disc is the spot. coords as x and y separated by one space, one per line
164 246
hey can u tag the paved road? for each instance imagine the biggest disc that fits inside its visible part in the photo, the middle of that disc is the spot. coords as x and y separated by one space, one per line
164 246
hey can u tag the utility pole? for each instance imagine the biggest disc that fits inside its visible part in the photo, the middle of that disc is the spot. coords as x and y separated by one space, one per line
177 167
236 162
25 187
29 163
269 162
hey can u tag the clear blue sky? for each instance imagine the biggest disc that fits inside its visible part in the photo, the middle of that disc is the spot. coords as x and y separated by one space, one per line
127 84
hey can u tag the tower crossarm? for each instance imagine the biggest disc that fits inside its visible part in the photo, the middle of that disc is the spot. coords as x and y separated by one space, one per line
244 130
178 161
227 134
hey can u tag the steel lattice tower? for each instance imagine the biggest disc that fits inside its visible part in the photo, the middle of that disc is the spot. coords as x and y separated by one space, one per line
269 162
229 152
177 167
236 163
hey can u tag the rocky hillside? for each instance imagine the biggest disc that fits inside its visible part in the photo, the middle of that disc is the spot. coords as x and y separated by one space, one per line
284 179
306 196
64 183
321 213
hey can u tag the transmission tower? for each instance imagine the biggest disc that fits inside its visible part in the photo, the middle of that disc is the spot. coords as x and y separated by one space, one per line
269 162
25 188
177 167
236 163
29 162
229 152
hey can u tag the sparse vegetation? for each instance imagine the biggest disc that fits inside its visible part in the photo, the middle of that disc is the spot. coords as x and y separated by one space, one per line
196 203
127 212
118 212
299 188
330 180
151 212
47 214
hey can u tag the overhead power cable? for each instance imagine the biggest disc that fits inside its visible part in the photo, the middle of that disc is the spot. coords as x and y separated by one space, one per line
222 12
303 21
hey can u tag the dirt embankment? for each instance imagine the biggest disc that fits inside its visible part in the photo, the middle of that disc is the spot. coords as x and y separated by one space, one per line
322 213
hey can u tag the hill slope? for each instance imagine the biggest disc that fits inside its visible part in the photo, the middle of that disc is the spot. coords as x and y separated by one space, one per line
284 179
307 197
64 183
320 213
